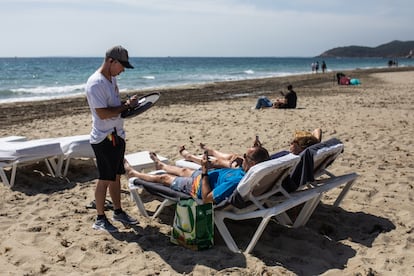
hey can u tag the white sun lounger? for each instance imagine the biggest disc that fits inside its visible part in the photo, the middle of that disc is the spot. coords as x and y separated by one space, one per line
141 160
260 182
77 146
19 153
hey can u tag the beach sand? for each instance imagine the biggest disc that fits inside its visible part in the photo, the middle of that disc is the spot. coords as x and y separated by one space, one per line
46 229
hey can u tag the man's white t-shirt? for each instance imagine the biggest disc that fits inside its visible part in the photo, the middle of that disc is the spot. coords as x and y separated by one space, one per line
102 93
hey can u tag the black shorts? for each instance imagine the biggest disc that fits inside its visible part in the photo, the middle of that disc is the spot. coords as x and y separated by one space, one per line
110 158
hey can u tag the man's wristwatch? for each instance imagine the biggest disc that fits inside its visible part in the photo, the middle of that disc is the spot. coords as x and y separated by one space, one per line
204 174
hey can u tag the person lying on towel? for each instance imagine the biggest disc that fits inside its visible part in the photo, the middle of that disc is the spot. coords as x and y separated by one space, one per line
301 141
213 185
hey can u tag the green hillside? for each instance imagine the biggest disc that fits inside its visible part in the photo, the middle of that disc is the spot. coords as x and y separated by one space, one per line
394 49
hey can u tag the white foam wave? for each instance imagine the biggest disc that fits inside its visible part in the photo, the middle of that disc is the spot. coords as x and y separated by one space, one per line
149 77
51 89
249 72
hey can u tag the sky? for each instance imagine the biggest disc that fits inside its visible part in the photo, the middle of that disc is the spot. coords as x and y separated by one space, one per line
197 28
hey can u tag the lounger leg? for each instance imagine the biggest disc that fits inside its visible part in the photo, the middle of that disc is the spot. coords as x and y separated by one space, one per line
13 174
65 172
307 211
343 193
4 177
138 202
283 219
225 234
257 234
165 203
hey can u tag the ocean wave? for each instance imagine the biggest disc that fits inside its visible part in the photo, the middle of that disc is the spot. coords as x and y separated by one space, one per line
149 77
65 89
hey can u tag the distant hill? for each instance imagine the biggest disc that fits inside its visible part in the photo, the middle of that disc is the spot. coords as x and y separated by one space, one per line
393 49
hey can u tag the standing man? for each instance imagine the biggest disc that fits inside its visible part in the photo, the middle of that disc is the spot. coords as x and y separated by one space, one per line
108 136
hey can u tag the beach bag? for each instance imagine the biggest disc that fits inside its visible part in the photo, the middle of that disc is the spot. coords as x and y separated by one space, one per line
193 225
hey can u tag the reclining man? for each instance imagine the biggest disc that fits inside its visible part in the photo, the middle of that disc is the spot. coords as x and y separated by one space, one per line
213 185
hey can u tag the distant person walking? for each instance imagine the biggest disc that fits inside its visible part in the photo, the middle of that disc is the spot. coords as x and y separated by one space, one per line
324 67
317 67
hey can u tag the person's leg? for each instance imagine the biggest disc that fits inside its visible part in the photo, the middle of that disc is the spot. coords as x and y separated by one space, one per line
221 160
263 102
189 156
217 154
170 169
259 103
100 196
115 192
164 179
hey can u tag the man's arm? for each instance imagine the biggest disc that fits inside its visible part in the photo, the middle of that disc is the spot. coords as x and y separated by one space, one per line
110 112
206 192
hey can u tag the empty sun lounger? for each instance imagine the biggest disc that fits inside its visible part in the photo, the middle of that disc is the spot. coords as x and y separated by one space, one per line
19 153
141 160
77 146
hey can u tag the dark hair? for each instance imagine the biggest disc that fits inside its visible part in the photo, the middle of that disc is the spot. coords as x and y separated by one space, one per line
289 86
260 154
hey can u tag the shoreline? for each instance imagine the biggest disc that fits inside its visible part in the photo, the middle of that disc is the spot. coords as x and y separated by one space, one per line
21 112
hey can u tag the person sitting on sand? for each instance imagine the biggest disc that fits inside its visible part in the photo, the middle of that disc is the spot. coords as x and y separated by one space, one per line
209 185
301 141
289 100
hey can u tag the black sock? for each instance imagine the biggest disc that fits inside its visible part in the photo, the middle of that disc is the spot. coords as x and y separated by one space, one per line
118 211
101 217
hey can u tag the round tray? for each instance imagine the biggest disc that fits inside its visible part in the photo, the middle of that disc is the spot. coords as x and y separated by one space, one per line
144 103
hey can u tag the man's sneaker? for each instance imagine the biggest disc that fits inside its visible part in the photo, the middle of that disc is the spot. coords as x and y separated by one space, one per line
124 218
104 225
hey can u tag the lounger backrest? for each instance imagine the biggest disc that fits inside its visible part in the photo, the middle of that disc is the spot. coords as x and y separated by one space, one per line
324 158
261 178
262 181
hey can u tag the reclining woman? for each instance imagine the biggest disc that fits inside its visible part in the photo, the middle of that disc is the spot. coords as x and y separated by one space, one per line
301 141
209 185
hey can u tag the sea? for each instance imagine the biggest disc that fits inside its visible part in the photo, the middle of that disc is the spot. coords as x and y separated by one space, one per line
36 79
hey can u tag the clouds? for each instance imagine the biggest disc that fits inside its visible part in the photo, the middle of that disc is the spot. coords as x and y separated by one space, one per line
199 28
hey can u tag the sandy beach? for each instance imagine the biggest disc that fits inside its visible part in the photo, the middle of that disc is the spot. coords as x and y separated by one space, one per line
46 229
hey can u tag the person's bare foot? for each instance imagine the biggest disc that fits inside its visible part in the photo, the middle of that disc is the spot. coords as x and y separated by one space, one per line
318 134
128 169
158 163
184 153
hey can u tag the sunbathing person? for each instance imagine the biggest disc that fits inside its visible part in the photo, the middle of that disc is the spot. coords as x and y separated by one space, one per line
209 185
220 159
301 141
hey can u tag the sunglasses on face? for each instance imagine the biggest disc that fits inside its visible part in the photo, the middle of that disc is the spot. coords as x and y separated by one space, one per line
246 157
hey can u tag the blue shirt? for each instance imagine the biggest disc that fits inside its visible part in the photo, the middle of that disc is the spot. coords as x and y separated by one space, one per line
222 182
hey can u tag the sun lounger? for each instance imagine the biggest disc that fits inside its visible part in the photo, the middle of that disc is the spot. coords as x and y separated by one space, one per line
309 187
261 182
141 160
19 153
77 146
